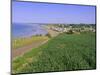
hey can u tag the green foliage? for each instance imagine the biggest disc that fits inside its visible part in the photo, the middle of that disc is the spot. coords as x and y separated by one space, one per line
48 34
70 32
64 52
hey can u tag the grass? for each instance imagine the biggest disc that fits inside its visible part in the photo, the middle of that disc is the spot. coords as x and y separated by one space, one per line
16 43
64 52
20 61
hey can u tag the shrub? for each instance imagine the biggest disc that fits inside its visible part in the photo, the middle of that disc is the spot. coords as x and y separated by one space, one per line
70 32
48 34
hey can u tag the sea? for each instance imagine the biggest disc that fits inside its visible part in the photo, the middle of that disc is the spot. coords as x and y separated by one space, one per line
20 30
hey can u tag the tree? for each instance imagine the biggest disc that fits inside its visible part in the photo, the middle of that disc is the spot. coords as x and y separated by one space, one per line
48 34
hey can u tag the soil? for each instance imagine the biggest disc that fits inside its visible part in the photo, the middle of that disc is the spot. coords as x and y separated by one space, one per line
24 49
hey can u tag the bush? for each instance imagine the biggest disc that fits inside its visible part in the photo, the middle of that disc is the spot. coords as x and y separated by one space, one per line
48 34
70 32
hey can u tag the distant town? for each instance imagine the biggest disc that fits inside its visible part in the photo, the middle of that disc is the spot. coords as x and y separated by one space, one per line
69 28
73 27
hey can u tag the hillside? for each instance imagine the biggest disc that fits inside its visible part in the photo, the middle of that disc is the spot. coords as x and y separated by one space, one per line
63 52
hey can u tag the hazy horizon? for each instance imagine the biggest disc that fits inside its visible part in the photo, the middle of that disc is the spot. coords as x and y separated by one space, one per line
52 23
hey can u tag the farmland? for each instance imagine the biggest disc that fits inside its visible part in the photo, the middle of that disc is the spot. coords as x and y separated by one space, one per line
63 52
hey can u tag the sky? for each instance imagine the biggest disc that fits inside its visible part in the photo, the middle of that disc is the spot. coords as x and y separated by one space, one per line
30 12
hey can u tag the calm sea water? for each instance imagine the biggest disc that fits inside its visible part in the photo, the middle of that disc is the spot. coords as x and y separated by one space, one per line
27 30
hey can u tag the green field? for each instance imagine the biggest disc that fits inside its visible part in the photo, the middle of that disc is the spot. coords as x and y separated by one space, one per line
63 52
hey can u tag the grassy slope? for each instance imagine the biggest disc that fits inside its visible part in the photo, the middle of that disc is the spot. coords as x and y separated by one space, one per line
17 43
64 52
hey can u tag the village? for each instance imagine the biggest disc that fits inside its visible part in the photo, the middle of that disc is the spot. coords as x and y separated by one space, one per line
69 28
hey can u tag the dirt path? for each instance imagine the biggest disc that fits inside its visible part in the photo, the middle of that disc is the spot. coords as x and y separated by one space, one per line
24 49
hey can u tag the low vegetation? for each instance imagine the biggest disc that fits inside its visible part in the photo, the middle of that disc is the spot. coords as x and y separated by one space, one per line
63 52
69 32
16 43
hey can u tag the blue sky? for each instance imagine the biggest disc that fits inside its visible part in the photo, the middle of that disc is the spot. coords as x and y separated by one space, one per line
29 12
